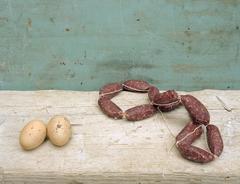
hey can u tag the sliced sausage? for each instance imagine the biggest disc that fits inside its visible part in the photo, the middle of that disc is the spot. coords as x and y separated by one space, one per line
214 140
140 112
197 111
109 108
136 85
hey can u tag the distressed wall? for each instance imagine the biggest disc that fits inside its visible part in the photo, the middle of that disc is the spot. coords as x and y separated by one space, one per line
83 44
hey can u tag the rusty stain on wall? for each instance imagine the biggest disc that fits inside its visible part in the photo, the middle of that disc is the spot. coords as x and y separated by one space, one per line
29 23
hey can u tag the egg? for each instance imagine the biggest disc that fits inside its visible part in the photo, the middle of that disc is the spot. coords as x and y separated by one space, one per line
59 130
32 135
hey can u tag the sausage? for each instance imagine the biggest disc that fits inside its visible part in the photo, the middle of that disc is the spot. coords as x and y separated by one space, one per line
109 108
140 112
195 154
214 140
169 107
165 98
197 111
136 85
185 138
189 134
110 90
152 92
166 101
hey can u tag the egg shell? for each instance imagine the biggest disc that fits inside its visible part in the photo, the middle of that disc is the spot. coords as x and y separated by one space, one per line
59 130
32 135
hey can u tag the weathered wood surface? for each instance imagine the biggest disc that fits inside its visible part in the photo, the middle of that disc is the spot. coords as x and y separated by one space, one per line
103 150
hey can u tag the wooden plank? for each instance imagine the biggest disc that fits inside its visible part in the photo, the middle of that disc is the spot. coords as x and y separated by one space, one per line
82 45
103 150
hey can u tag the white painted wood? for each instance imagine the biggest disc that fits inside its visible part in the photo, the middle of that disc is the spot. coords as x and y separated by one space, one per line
103 150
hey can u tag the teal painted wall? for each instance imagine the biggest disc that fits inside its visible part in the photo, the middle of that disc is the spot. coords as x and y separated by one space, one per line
83 44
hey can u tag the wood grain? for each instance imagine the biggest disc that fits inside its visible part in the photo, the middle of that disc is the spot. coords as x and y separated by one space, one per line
103 150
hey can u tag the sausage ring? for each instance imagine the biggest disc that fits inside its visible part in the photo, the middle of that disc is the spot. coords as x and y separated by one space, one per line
167 101
112 110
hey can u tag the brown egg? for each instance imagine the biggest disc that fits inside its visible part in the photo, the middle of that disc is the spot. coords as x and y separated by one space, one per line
59 130
32 135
